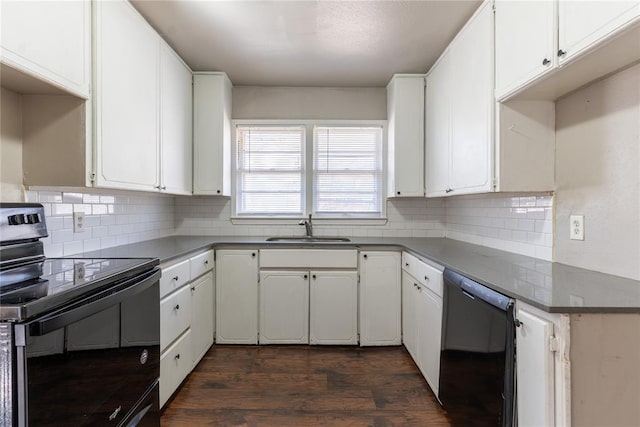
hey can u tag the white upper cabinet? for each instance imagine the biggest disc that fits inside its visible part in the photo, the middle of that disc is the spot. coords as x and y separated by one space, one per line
126 99
459 112
525 42
212 134
175 122
50 41
405 114
142 105
582 24
545 49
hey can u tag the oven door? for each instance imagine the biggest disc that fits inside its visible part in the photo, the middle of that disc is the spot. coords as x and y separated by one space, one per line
91 362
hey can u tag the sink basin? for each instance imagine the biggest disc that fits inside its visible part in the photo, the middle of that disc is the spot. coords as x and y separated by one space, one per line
309 239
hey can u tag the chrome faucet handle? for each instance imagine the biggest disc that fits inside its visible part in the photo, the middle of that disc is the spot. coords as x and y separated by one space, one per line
302 222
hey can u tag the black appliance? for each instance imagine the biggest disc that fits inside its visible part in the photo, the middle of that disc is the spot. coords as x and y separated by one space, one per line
477 360
79 337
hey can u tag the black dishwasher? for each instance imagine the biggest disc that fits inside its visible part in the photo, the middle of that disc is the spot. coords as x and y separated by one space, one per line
477 359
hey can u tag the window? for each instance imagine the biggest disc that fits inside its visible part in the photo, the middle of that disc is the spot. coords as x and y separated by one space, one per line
341 178
347 171
269 170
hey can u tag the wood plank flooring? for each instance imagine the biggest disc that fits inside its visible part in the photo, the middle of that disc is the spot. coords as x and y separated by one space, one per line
304 386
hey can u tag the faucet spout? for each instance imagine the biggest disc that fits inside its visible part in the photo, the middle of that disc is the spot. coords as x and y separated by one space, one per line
308 226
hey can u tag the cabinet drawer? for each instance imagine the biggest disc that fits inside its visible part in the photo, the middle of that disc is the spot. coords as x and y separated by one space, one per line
173 277
175 365
427 276
200 264
308 258
175 315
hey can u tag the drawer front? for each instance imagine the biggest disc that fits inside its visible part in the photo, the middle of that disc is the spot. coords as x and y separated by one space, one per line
200 264
309 258
431 278
173 277
410 264
175 364
175 315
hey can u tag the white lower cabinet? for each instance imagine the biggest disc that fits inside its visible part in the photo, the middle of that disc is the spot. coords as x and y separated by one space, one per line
542 367
380 300
422 316
333 311
186 319
284 307
237 296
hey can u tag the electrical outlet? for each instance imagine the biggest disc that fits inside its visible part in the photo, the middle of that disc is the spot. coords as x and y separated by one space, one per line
78 222
576 227
79 272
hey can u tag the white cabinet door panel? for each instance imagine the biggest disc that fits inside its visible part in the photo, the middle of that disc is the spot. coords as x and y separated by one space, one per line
127 92
175 364
472 106
175 122
524 38
409 319
202 315
380 300
333 311
429 314
534 371
175 315
237 297
284 307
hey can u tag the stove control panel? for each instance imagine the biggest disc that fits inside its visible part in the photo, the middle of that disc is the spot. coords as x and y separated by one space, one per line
21 221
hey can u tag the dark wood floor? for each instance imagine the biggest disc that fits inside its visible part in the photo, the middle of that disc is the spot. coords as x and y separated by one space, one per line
304 386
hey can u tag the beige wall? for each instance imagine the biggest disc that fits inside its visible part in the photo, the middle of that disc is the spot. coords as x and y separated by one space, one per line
10 146
257 102
598 175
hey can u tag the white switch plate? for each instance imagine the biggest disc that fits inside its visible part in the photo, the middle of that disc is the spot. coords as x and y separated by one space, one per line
78 222
576 227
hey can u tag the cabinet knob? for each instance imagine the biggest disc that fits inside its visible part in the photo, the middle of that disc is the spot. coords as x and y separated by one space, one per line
175 278
253 255
426 278
218 191
406 264
177 356
177 307
448 190
206 262
518 323
305 276
365 256
193 289
313 277
561 53
164 187
398 193
545 61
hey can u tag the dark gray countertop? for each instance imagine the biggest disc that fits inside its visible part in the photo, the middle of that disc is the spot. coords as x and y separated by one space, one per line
552 287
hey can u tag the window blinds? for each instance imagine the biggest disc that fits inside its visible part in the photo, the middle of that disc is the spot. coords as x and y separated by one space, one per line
270 170
347 171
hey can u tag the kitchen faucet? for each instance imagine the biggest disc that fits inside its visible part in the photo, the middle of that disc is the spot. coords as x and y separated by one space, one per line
307 225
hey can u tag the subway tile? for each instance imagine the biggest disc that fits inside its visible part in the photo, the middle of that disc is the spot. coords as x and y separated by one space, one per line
61 236
49 197
59 209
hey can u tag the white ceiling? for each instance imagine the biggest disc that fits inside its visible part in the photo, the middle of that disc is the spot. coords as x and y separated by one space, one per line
308 43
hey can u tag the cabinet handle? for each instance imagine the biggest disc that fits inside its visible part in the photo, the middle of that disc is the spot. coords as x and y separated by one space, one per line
253 255
193 289
406 264
206 262
305 276
177 307
164 187
561 53
518 323
218 191
426 278
157 187
175 278
398 193
545 61
177 356
365 256
313 277
448 190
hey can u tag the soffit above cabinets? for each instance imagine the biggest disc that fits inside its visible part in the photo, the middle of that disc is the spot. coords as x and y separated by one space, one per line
308 43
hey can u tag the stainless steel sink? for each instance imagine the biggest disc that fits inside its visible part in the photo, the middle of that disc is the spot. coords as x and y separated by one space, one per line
309 239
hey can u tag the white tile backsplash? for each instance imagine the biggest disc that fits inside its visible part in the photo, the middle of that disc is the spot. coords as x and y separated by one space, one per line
516 223
106 224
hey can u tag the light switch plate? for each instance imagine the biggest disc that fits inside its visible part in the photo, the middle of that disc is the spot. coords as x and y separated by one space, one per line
78 222
576 227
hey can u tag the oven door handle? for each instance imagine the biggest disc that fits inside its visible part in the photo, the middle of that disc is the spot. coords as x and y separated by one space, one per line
93 304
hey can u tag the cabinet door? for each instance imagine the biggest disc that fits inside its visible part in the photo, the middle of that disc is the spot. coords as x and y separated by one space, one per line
409 316
202 309
525 42
583 24
405 98
175 364
333 310
49 40
175 123
380 302
438 128
534 371
237 297
472 104
429 314
175 315
284 307
126 98
212 134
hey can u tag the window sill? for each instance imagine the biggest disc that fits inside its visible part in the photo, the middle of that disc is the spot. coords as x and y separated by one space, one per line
316 221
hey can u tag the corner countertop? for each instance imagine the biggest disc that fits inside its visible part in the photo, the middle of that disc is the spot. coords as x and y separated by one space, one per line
553 287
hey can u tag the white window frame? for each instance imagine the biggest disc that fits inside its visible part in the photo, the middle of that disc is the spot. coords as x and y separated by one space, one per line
308 173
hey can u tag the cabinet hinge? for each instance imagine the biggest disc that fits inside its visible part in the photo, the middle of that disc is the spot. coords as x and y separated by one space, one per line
554 345
92 176
358 278
494 183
